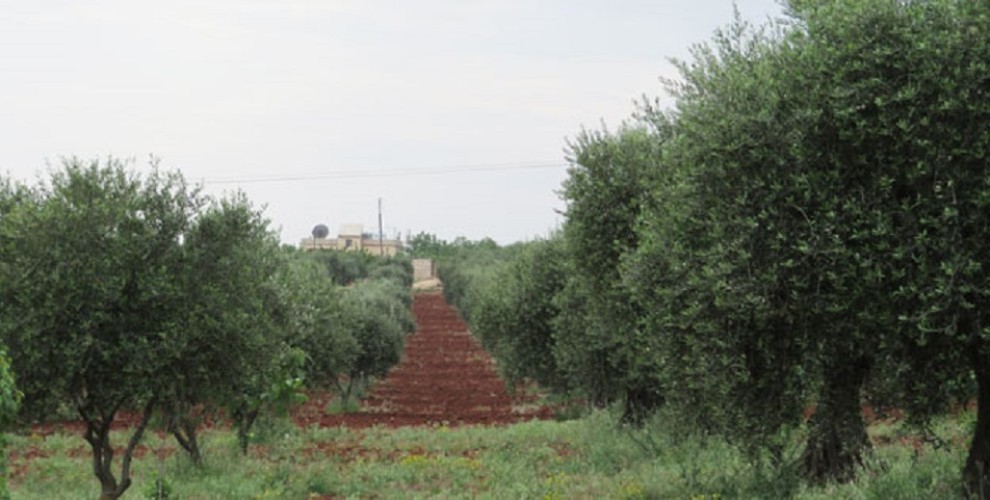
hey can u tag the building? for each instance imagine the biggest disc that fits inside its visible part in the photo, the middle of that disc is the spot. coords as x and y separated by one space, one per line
351 237
424 269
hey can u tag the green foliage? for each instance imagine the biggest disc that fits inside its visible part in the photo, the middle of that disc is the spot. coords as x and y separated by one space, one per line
124 292
91 298
347 313
344 267
290 312
10 399
919 124
396 269
158 489
467 271
508 295
350 334
808 222
605 192
345 334
10 396
347 267
514 314
814 215
428 246
379 318
317 323
229 333
96 253
730 267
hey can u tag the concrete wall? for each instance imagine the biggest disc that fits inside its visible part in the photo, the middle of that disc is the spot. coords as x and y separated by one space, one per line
369 245
373 247
423 269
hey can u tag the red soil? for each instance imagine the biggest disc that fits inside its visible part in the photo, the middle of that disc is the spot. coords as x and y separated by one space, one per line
445 378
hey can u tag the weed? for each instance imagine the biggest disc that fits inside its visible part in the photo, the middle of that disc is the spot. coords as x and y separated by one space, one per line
590 457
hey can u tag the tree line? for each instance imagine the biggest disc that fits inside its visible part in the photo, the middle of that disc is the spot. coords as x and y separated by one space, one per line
137 295
806 226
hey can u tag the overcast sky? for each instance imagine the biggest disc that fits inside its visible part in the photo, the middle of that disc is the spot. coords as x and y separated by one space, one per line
454 113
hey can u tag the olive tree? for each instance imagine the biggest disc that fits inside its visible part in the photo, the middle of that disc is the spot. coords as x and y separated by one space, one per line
90 297
227 332
826 221
899 93
764 256
710 268
318 324
376 314
515 315
604 195
907 103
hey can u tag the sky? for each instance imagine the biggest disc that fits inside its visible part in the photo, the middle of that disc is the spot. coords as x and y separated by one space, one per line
455 114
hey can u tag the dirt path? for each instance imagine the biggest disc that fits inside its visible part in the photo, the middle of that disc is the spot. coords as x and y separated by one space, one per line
445 378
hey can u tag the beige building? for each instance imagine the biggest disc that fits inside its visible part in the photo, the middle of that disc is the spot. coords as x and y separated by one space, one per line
351 237
424 269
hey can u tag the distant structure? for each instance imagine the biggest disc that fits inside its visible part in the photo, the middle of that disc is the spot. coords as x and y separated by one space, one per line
320 231
424 269
350 237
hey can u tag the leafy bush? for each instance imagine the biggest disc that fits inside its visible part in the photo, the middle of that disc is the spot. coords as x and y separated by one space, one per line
466 271
514 314
343 267
317 323
376 314
10 399
397 269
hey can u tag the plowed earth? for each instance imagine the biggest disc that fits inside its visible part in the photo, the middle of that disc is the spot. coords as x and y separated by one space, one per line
444 378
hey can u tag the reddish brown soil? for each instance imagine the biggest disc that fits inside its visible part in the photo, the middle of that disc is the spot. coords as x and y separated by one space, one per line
445 378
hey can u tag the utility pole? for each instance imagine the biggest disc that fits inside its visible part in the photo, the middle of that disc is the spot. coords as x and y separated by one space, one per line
381 233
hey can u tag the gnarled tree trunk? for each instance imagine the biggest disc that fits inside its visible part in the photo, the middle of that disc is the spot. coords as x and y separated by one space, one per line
183 427
98 436
837 436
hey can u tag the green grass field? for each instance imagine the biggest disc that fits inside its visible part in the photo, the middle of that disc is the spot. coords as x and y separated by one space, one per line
590 457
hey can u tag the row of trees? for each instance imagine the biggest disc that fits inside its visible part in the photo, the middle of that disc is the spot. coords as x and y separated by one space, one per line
137 295
807 226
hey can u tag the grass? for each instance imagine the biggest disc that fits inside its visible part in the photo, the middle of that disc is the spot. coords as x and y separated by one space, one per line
589 457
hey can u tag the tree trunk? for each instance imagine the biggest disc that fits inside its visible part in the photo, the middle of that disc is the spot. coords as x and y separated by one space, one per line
344 392
837 436
976 474
244 429
601 379
98 436
639 404
183 427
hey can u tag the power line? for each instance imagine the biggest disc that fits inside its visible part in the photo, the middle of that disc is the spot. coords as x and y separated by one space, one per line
357 174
